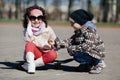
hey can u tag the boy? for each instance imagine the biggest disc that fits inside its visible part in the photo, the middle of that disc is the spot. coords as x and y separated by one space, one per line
85 45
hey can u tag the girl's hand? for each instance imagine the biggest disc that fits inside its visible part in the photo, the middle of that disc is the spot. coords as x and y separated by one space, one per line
29 22
51 42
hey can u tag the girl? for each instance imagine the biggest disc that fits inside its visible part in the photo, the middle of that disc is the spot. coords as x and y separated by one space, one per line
39 39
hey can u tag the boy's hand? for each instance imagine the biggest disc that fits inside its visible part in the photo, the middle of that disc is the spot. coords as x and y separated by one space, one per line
57 43
60 43
71 50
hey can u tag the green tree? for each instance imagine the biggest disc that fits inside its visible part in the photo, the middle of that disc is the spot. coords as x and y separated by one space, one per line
18 9
89 5
70 3
1 8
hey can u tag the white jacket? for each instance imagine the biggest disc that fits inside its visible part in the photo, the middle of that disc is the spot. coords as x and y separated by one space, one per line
42 39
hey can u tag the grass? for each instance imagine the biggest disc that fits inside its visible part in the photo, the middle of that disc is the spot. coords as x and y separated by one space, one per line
58 22
10 20
108 24
98 24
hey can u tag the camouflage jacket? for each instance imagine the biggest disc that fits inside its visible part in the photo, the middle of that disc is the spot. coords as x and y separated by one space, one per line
86 40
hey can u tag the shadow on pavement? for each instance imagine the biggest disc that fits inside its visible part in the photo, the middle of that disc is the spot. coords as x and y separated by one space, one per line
56 65
9 65
60 65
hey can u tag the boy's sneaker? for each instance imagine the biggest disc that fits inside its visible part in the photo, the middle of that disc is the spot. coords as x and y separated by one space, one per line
98 68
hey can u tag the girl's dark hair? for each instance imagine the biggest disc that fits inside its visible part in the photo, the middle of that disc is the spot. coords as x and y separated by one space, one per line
27 13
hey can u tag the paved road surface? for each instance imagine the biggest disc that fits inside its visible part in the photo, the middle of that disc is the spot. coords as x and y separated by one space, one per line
12 47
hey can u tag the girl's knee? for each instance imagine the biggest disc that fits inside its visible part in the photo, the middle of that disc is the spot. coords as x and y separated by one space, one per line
53 54
30 44
49 57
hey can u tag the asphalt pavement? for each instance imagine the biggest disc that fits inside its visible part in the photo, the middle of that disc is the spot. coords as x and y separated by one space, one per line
12 48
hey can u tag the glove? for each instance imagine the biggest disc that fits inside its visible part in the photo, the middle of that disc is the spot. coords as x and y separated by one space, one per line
71 50
59 44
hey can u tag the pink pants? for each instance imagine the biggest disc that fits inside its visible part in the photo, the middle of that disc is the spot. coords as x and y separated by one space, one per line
48 57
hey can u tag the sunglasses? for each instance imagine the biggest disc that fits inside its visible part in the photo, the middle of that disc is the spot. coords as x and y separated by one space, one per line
33 18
